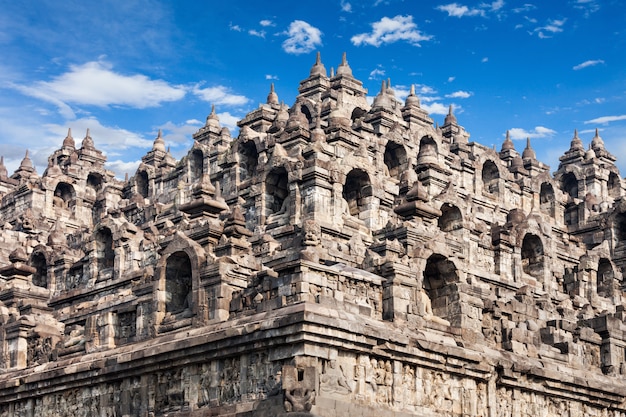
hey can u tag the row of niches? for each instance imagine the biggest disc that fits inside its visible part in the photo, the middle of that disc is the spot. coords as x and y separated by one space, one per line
437 296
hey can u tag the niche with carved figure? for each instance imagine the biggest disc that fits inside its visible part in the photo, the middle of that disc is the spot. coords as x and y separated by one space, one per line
178 284
532 256
355 191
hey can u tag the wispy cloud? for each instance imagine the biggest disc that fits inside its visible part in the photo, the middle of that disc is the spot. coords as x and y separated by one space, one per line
458 10
389 30
302 38
346 6
589 63
537 132
219 95
236 28
96 84
587 6
553 26
377 74
606 119
460 94
267 23
271 77
257 33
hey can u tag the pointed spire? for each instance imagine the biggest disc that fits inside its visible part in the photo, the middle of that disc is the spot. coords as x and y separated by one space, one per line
87 141
68 142
412 99
528 153
212 119
3 169
508 143
344 68
159 143
450 118
272 97
597 143
26 165
576 143
318 68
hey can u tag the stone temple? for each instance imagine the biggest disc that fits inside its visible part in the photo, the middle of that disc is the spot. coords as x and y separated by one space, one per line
335 258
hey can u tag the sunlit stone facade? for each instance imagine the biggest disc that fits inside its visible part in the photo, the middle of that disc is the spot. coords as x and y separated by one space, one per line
336 258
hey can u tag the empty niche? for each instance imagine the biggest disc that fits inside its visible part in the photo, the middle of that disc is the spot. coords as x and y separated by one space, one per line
248 160
569 185
490 176
105 255
450 219
40 277
196 165
614 185
356 189
142 183
395 157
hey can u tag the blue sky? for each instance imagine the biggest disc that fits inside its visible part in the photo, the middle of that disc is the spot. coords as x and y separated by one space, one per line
127 68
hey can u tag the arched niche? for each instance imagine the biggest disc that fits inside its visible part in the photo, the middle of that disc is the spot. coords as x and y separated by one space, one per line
620 226
546 194
276 191
490 176
63 195
614 185
451 218
178 283
357 113
307 113
248 160
440 279
105 254
532 256
39 262
569 185
355 191
142 183
196 165
94 181
605 277
428 152
394 158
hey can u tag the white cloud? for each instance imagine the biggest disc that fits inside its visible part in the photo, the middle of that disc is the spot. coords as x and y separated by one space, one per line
303 38
458 10
266 23
236 28
96 84
436 108
271 77
460 94
121 168
553 26
538 132
589 63
606 119
386 30
219 95
485 59
346 6
230 121
377 74
259 34
450 79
